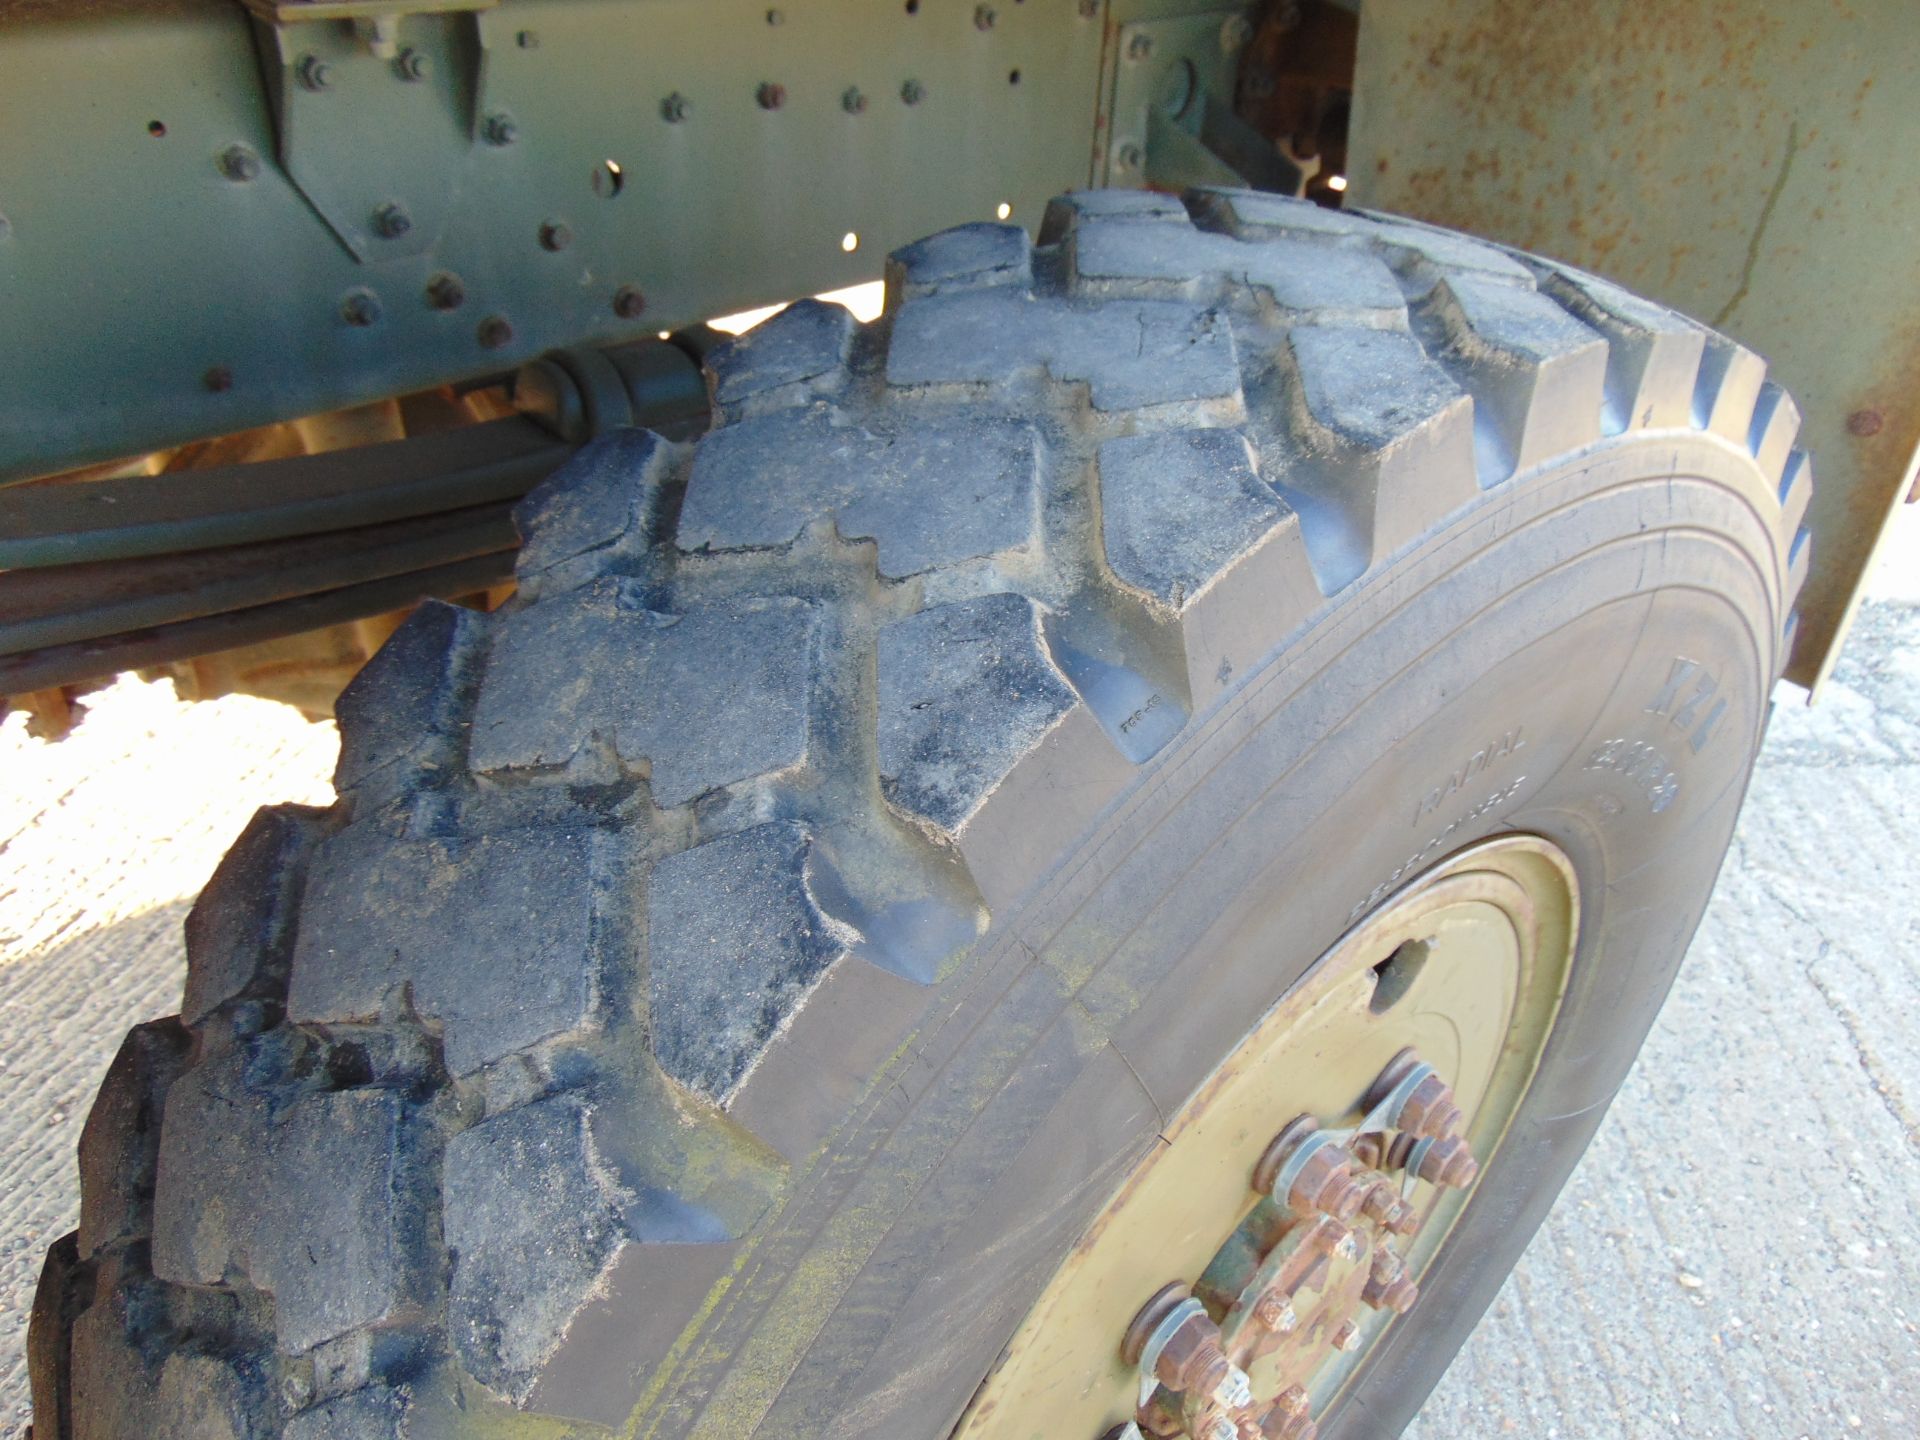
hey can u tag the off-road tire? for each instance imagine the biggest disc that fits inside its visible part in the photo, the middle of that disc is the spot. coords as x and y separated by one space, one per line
733 973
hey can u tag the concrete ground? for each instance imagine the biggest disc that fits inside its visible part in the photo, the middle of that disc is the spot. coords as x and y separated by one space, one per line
1739 1255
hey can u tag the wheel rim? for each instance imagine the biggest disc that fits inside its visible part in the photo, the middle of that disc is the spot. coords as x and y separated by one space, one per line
1197 1304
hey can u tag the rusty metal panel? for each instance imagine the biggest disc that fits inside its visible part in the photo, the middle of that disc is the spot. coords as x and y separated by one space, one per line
1749 163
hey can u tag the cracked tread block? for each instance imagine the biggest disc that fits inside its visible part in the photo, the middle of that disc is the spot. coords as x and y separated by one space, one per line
1186 518
497 935
1180 506
404 711
736 942
1129 355
1066 212
595 514
1418 252
239 930
807 341
185 1396
966 690
332 1256
1387 439
532 1219
121 1140
1352 286
306 1205
928 496
364 1415
1538 375
708 698
1653 355
967 257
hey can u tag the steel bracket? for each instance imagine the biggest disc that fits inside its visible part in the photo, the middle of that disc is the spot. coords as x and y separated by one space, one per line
377 116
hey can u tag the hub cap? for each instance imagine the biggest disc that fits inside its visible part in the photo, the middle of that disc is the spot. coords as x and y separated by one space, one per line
1233 1285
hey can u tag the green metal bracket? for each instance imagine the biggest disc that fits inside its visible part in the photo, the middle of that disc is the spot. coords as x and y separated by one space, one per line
378 129
1171 117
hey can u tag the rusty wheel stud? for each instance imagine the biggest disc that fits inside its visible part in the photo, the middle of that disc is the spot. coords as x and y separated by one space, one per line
1288 1417
1385 1207
1427 1109
1275 1312
1174 1338
1388 1286
1306 1171
1447 1161
1347 1337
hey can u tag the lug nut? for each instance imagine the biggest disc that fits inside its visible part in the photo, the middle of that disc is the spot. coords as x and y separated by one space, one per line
1428 1109
1388 1287
1276 1313
1323 1181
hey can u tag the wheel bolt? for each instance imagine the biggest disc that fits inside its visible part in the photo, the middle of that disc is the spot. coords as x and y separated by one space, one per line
1385 1207
1347 1337
1447 1161
1276 1313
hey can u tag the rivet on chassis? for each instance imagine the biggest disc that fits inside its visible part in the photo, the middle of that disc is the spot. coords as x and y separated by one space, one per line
239 163
1129 156
629 302
771 95
495 331
413 65
913 92
315 74
675 108
555 235
499 128
446 291
985 18
218 379
1140 47
852 101
360 308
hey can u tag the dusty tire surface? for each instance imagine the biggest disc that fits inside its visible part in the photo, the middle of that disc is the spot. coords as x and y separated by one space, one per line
734 973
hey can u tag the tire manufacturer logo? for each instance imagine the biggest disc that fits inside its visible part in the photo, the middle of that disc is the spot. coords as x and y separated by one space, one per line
1687 700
